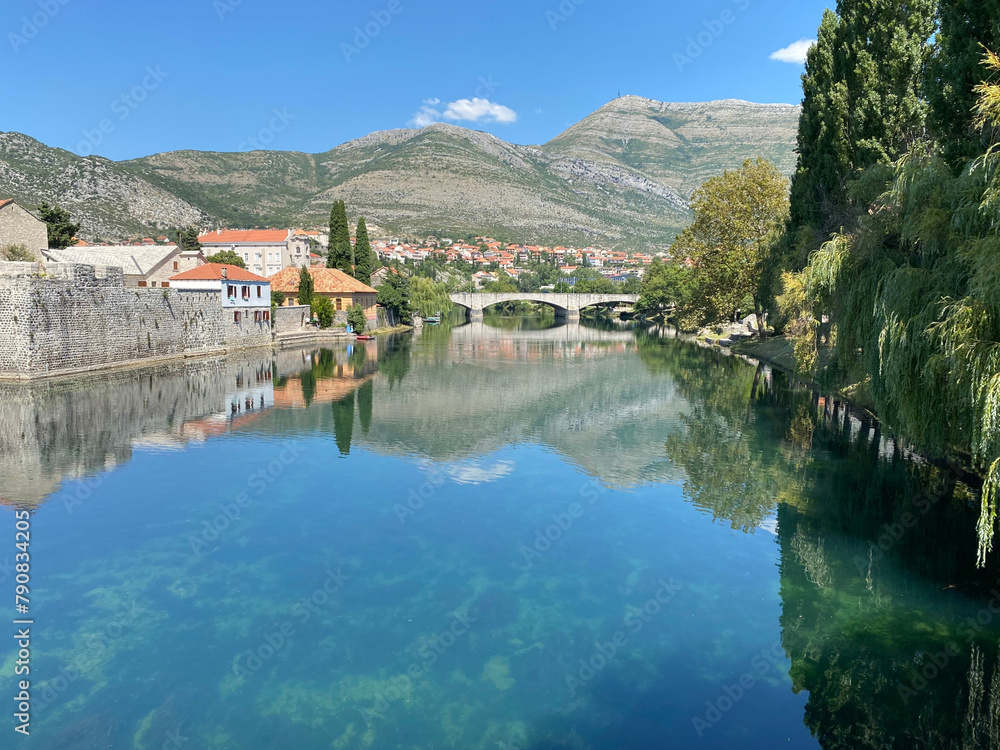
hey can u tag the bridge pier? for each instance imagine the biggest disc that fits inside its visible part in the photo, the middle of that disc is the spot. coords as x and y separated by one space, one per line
570 316
474 315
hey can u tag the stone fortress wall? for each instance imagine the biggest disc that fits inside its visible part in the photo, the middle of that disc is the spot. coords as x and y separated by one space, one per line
60 318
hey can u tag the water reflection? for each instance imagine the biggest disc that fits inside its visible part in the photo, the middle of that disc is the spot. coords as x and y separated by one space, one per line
884 620
889 625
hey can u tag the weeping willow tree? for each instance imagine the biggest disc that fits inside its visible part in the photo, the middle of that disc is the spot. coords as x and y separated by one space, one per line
914 294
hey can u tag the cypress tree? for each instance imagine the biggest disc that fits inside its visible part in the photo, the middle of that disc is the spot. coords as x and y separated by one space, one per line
341 255
365 260
863 102
305 293
954 71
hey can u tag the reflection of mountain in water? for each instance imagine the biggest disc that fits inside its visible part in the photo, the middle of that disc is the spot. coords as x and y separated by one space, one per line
472 390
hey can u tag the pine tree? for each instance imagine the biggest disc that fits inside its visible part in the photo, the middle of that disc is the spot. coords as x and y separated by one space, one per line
954 71
305 293
187 239
62 230
341 254
365 260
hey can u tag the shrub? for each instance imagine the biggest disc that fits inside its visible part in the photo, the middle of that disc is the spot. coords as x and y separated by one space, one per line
322 308
17 253
356 318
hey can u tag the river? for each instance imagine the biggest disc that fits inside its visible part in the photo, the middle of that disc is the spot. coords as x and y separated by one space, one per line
514 536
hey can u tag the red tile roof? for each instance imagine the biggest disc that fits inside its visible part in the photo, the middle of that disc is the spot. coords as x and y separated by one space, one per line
243 236
5 201
325 281
213 272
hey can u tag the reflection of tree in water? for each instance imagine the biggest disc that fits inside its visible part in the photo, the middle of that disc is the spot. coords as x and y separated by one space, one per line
365 399
343 423
878 576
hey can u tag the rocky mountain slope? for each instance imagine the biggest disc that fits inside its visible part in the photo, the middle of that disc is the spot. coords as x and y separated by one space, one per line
619 178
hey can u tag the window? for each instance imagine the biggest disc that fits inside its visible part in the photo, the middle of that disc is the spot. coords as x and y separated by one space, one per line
165 284
236 316
154 283
231 291
267 315
340 305
176 266
142 283
246 256
260 291
246 292
256 256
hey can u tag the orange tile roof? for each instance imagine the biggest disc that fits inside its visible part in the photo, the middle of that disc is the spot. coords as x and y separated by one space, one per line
325 281
243 236
5 201
213 272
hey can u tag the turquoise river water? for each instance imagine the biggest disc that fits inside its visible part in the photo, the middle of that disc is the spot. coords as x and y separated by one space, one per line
487 537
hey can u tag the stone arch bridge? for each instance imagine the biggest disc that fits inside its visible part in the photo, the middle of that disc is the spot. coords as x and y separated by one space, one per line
567 306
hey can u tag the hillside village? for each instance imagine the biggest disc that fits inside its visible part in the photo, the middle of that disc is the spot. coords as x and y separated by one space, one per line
150 261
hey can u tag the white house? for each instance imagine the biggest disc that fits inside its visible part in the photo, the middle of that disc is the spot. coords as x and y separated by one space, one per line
240 289
264 251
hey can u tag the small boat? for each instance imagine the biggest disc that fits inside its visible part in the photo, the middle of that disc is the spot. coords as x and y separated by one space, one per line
432 321
366 337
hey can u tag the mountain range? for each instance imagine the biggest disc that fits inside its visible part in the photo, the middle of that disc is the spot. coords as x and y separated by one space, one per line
619 178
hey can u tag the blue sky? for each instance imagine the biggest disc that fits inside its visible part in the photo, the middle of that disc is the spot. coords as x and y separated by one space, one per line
126 79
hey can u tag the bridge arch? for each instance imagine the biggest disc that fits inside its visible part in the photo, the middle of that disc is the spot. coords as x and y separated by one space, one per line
566 305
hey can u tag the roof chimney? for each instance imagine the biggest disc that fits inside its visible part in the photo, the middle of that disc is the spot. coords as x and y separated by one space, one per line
225 272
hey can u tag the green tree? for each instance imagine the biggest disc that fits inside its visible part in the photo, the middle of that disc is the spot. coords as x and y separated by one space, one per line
227 257
428 297
863 102
394 295
305 290
187 240
956 67
738 217
356 318
595 286
366 261
341 254
665 285
277 298
62 230
322 308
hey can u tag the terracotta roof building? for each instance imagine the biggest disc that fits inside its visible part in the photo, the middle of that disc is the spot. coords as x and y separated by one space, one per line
342 290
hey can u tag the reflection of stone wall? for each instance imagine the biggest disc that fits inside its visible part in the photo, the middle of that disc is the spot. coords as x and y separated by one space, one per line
72 428
64 317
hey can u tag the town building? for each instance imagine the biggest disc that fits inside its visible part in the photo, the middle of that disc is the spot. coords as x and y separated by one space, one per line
264 251
342 290
142 265
18 226
239 288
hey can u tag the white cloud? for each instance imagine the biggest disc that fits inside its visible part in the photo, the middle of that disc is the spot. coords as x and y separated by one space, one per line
794 53
462 110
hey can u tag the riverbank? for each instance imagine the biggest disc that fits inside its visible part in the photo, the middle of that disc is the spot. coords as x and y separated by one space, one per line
777 351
